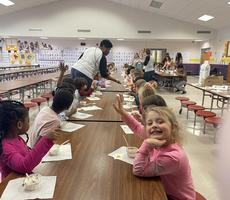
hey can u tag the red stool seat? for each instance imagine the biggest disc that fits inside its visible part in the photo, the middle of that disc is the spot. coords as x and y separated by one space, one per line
38 100
213 120
29 105
187 103
199 196
182 98
205 114
47 95
195 107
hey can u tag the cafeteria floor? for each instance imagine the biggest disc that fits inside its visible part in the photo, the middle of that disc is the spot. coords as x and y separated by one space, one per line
201 150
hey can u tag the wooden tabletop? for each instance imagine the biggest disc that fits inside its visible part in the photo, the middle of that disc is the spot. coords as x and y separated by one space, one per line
107 114
92 174
19 71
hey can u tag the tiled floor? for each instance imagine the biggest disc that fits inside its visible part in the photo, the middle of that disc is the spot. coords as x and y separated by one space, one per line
201 150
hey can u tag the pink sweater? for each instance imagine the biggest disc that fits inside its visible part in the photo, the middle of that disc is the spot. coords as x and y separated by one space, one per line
45 121
17 156
169 162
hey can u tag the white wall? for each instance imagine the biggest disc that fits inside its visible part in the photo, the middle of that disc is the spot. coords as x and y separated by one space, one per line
105 19
188 49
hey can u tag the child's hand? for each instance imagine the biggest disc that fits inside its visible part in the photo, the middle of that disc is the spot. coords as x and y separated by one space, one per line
54 135
94 84
118 105
137 115
63 67
156 140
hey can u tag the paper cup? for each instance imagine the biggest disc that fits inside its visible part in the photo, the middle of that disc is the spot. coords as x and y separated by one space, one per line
54 151
131 151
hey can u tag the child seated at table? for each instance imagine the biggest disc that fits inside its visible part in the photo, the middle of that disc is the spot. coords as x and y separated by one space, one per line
155 100
161 154
47 119
180 85
15 155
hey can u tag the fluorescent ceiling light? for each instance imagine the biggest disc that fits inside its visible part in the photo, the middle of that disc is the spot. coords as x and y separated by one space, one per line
205 18
81 38
198 40
6 2
229 2
44 38
120 39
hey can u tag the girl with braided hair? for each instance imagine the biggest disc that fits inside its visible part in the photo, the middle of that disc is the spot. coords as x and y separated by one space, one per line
15 155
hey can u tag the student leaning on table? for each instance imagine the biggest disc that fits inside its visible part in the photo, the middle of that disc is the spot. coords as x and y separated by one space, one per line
161 153
47 119
15 155
92 61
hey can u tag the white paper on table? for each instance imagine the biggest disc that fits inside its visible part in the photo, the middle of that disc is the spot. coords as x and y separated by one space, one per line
99 93
107 85
126 129
70 127
64 153
121 154
129 106
88 108
126 95
81 115
93 98
107 82
15 191
129 99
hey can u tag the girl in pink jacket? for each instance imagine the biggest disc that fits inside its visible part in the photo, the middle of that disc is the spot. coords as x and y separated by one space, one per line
161 153
15 155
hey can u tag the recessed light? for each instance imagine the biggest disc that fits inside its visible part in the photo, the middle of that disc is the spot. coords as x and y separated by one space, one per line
120 39
229 2
205 18
6 2
44 38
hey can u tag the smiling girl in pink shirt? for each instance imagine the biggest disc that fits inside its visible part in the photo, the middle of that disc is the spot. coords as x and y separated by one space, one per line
161 153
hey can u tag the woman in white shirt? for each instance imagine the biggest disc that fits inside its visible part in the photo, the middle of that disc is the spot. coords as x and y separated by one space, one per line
92 61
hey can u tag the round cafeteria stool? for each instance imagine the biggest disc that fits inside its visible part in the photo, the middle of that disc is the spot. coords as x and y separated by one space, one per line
38 100
186 104
29 105
47 96
215 121
199 196
195 108
205 114
180 98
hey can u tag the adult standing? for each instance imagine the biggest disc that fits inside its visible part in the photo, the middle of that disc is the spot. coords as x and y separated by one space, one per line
92 61
148 66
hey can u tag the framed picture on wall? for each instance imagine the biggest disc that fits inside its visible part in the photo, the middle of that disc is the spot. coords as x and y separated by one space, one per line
228 49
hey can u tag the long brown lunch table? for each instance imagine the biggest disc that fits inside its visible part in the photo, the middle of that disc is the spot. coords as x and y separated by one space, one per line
92 174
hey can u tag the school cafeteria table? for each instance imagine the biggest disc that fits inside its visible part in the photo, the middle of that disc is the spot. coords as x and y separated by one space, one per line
222 97
92 174
7 87
4 66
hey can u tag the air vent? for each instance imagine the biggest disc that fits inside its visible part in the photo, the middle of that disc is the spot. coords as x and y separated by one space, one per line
143 31
156 4
84 30
35 29
203 32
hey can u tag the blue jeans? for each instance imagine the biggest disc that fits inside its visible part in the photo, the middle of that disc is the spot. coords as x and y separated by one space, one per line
149 76
75 74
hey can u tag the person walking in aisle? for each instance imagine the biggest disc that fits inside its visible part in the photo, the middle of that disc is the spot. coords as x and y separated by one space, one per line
92 61
148 66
